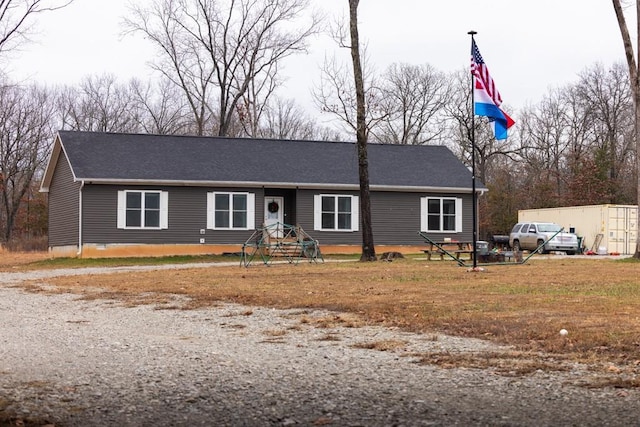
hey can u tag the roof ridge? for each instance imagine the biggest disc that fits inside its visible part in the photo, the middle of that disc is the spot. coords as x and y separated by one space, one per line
217 137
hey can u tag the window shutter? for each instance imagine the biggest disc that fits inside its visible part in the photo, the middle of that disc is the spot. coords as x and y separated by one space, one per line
458 215
210 210
317 212
251 211
164 210
355 213
423 214
122 209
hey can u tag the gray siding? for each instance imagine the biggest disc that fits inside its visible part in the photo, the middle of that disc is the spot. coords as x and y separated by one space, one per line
395 219
187 216
63 205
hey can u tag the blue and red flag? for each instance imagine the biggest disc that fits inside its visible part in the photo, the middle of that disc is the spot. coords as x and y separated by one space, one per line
487 99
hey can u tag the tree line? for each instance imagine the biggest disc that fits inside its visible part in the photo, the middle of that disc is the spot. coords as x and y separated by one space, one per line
219 71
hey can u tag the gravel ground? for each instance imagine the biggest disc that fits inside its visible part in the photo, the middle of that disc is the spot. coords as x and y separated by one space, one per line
96 363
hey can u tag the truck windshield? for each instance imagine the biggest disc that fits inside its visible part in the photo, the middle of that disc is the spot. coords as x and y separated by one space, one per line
548 228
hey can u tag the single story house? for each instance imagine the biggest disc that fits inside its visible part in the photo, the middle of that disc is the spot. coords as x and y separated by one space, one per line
117 194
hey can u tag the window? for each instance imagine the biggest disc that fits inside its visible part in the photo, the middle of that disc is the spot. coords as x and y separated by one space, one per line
548 228
146 209
230 211
441 214
335 212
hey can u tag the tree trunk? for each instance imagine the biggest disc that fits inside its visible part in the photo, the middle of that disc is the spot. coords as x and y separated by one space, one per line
635 87
635 84
636 101
368 249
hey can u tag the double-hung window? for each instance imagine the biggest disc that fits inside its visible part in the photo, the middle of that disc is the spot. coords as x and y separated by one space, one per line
336 212
441 214
142 209
230 211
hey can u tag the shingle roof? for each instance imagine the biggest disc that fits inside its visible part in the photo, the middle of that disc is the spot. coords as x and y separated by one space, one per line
117 157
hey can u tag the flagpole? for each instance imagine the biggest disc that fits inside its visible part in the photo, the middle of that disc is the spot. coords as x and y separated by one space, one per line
474 196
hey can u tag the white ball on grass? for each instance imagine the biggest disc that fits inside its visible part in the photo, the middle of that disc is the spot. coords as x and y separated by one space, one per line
564 332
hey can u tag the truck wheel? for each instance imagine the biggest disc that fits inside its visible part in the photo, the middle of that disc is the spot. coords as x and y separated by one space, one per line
541 251
516 246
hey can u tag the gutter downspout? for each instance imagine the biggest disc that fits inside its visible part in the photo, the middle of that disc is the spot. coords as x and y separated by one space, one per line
79 253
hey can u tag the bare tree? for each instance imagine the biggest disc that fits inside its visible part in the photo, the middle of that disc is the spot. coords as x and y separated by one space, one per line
580 131
24 118
181 61
544 135
16 19
607 102
159 106
634 79
221 52
284 119
413 98
368 248
354 99
25 134
255 102
336 93
99 104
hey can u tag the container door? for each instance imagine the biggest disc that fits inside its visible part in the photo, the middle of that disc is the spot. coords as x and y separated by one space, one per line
631 234
623 229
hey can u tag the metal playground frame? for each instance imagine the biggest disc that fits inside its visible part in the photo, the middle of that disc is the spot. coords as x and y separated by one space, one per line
280 241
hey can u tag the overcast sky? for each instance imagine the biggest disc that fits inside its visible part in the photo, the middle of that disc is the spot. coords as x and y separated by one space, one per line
529 46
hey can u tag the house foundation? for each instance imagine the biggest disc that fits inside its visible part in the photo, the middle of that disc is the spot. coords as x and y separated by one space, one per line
147 250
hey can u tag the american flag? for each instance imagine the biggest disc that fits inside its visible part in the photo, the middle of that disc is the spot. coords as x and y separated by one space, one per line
481 72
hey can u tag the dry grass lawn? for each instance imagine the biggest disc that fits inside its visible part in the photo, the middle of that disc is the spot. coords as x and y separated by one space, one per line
596 300
10 261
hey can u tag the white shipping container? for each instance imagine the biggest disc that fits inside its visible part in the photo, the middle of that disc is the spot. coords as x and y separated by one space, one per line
616 224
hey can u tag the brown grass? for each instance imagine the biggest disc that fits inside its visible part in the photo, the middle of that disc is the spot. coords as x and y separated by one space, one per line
513 363
10 260
597 301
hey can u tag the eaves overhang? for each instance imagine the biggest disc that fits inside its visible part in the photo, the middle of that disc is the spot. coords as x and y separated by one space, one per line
52 161
297 185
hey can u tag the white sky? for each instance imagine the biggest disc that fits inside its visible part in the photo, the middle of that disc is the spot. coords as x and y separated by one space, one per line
529 46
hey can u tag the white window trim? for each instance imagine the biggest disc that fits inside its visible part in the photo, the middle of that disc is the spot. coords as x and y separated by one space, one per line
122 210
424 211
317 213
211 210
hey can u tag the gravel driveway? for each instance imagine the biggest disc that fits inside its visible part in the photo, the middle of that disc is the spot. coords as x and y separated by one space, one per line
96 363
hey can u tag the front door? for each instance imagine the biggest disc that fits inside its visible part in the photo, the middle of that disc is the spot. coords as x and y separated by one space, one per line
274 214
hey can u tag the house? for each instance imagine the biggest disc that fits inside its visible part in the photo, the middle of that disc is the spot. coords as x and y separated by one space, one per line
115 194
